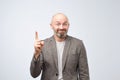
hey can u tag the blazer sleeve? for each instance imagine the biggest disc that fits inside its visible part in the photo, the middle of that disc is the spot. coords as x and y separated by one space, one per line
83 64
36 66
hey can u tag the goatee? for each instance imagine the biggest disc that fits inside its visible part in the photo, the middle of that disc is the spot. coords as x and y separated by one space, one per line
61 36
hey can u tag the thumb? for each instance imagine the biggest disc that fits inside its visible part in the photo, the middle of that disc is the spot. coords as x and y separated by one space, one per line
42 43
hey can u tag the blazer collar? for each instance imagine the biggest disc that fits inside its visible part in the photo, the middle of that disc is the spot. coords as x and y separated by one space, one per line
53 39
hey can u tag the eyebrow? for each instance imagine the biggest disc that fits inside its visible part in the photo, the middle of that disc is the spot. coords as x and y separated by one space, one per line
63 22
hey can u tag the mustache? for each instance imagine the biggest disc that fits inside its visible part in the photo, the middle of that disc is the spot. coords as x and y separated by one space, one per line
61 30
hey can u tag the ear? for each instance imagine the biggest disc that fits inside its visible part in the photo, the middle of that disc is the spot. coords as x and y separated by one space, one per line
51 25
68 24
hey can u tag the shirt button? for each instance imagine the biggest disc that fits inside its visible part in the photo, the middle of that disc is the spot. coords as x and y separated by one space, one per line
56 74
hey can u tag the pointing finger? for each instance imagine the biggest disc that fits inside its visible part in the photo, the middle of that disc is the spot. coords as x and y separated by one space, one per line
36 35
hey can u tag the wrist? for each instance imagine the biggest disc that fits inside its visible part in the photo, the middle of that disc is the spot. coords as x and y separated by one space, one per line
36 55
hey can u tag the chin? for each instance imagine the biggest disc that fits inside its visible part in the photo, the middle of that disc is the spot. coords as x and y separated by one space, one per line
61 36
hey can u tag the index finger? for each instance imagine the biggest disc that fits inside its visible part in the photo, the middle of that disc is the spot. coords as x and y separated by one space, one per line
36 36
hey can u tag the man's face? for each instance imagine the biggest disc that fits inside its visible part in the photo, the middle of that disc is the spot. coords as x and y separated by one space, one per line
60 25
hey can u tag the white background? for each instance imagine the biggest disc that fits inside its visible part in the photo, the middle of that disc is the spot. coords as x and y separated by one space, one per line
96 22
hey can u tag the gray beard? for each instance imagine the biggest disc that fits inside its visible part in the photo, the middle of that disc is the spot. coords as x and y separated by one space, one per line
61 36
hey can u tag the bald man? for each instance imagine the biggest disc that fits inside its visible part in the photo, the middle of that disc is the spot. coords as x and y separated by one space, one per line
60 57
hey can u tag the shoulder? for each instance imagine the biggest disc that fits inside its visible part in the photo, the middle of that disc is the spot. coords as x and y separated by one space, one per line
76 41
49 39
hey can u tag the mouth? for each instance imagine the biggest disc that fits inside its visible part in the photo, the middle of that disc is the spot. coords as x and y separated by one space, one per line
62 30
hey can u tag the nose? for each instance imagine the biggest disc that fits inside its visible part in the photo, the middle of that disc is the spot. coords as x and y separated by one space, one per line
61 26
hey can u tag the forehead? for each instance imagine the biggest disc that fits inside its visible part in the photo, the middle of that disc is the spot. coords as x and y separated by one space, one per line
60 18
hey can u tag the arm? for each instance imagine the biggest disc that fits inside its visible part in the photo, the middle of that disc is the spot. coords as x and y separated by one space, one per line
36 66
83 64
37 61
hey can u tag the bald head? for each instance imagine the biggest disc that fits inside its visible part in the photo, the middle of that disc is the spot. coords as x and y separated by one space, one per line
59 17
60 25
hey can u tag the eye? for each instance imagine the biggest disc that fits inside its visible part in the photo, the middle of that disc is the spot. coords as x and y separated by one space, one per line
58 24
65 24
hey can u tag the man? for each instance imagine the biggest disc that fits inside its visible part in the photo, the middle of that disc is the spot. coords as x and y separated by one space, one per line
60 57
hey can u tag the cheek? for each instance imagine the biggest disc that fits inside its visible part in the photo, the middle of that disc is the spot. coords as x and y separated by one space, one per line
55 28
67 28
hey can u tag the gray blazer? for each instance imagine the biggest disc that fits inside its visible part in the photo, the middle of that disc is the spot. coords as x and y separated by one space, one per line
74 62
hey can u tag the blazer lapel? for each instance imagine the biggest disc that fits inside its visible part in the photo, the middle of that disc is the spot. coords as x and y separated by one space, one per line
65 52
54 51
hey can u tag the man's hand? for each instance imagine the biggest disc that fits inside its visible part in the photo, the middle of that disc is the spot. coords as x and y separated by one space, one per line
37 45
